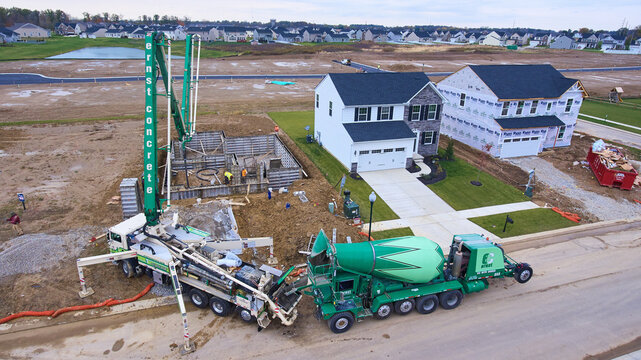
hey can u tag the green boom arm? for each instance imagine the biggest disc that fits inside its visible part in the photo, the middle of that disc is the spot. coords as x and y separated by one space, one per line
154 63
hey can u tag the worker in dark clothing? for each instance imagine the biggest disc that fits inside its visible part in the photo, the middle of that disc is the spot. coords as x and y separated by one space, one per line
228 177
15 222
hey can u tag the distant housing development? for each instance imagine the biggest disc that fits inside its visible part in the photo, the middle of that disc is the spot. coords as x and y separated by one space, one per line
514 110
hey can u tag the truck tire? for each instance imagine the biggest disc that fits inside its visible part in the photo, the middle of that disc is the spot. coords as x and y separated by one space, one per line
127 268
383 312
245 315
198 298
404 307
341 322
450 299
523 273
427 304
219 306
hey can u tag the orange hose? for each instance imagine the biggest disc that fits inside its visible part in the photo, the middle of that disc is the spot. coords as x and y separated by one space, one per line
52 313
567 215
362 233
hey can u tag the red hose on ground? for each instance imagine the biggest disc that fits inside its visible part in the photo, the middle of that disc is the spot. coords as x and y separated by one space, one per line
362 233
52 313
567 215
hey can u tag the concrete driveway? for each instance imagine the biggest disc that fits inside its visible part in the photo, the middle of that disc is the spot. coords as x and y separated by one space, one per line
420 209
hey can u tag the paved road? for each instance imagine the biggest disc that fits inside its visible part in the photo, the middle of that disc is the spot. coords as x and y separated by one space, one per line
27 78
583 300
609 133
22 79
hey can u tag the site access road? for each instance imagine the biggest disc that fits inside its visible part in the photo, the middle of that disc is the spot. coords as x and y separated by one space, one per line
583 300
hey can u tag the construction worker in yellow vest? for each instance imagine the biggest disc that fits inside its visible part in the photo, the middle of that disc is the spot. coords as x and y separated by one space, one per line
228 177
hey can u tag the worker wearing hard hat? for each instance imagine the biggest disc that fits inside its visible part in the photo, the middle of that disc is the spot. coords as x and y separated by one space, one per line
228 177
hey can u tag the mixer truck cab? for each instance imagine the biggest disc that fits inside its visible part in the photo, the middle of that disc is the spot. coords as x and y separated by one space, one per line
375 278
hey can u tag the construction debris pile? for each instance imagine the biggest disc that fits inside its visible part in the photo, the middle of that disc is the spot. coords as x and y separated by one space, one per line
611 166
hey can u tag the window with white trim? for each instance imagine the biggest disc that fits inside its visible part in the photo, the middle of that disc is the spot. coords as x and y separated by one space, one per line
519 107
317 100
506 108
363 152
416 112
568 105
385 113
330 108
388 150
462 101
431 112
400 149
535 104
561 132
427 137
376 151
362 114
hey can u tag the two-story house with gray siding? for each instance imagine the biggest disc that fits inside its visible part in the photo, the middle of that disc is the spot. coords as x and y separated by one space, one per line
377 121
517 109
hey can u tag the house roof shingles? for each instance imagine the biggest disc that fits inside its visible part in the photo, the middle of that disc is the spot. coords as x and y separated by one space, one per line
529 122
378 130
378 88
523 81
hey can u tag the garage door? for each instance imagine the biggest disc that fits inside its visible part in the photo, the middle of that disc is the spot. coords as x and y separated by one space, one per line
521 146
381 159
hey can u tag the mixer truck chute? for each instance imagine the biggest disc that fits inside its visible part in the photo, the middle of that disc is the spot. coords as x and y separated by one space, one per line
375 278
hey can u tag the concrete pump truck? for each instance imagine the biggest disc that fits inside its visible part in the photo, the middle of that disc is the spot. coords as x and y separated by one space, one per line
181 255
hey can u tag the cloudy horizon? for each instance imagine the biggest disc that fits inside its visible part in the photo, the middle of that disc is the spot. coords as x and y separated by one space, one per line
543 14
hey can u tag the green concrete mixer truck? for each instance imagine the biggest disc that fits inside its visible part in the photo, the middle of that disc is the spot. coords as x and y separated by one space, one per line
375 278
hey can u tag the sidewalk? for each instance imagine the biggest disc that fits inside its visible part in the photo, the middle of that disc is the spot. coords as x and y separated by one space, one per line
420 209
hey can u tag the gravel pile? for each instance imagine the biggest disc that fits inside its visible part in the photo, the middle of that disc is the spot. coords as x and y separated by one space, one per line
33 253
162 290
603 207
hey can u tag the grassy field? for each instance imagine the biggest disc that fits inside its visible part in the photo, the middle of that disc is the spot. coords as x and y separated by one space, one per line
293 123
525 222
634 101
614 112
59 45
388 234
457 191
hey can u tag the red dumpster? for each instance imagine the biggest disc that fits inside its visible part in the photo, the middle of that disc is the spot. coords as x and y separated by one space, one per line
610 177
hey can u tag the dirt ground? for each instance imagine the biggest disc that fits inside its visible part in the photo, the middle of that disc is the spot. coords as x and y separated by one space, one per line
70 171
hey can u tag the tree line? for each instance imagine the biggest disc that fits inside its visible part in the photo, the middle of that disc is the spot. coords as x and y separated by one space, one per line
46 18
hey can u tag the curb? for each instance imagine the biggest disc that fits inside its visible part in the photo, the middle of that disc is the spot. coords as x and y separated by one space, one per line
42 322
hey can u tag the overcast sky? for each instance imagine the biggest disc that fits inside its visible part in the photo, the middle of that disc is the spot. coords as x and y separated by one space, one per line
544 14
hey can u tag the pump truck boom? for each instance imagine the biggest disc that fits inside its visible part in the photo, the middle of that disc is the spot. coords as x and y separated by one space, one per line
180 255
374 278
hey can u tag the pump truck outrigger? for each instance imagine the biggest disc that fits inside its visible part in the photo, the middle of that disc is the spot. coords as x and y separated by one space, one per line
181 255
374 278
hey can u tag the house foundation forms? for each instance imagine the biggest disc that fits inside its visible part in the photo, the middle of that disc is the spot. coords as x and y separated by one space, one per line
455 124
276 166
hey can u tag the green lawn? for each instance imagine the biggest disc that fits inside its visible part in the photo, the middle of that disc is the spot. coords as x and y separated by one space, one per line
457 191
293 123
614 112
59 45
525 222
388 234
634 101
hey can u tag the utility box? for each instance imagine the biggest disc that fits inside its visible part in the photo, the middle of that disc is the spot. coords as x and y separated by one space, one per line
350 209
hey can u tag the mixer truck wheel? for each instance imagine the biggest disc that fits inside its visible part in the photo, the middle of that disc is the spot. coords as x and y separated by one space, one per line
127 268
523 273
383 312
219 306
341 322
427 304
450 299
404 307
245 315
198 298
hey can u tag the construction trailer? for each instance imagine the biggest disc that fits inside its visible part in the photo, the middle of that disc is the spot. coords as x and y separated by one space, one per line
199 165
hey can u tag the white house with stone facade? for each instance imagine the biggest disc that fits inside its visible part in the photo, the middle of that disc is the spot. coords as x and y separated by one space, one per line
377 121
518 110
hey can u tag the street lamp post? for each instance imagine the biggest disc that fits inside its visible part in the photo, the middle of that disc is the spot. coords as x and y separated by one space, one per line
372 198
